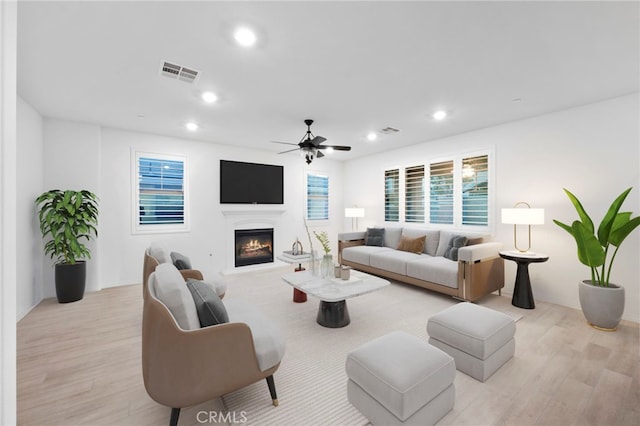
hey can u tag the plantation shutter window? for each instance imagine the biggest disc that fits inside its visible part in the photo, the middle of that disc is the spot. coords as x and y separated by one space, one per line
392 195
160 193
414 194
441 192
475 191
317 197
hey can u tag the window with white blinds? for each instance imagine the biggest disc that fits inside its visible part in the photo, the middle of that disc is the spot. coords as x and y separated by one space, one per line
414 194
475 190
441 192
458 191
160 193
392 195
317 197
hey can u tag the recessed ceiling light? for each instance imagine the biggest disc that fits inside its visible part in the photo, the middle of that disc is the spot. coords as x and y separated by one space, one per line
245 37
439 115
192 126
372 136
328 150
209 97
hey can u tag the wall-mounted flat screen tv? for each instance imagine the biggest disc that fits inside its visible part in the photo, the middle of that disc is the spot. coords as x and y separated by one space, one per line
251 183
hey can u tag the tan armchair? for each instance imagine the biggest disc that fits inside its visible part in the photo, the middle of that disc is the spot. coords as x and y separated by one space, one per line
182 367
150 263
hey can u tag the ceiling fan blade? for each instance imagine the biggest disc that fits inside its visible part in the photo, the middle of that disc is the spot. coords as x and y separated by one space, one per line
319 154
317 140
336 147
285 143
290 150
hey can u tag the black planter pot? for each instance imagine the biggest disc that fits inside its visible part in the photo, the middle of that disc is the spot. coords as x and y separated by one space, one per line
70 280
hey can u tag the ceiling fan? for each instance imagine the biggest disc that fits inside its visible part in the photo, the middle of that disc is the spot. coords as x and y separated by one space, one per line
310 145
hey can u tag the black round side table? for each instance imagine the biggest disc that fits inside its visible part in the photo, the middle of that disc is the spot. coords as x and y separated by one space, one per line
522 294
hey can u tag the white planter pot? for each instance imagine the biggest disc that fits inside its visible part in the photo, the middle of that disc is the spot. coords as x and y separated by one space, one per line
602 306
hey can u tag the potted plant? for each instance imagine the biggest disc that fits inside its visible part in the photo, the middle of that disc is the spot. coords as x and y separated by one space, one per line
67 218
602 302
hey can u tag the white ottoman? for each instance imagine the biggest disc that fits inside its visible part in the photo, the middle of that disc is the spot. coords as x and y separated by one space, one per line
480 339
399 379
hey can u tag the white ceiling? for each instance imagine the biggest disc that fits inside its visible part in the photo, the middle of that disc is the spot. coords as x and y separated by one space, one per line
354 67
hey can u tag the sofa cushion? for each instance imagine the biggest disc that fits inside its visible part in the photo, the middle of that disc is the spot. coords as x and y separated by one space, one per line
435 269
431 243
170 289
392 236
473 237
211 310
180 261
412 245
267 338
361 254
159 253
454 244
374 237
392 260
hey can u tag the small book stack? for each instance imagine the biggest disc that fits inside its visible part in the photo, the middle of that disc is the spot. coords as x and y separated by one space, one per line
289 254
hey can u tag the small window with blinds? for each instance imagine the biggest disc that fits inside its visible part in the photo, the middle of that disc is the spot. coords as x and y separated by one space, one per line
475 190
160 193
392 195
414 194
317 197
441 192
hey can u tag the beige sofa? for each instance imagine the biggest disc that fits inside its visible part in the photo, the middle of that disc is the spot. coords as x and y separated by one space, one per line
478 270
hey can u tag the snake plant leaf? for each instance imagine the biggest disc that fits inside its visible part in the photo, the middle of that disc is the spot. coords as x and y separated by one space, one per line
607 221
584 217
590 252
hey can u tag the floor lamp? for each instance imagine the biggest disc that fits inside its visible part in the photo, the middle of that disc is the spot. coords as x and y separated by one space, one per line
523 215
354 213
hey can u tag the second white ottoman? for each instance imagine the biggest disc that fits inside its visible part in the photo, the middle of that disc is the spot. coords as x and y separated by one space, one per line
480 339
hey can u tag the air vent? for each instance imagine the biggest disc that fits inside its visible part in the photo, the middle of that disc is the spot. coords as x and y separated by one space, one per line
389 130
178 72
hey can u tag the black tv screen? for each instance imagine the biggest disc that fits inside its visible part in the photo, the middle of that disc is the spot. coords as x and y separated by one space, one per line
251 183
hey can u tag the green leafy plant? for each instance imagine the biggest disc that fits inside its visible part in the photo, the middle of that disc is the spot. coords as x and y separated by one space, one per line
66 218
324 240
594 248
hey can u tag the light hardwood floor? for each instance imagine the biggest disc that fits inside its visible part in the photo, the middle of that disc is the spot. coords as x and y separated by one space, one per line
79 364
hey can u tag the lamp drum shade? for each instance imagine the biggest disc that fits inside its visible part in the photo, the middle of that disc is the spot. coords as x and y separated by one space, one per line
523 216
354 212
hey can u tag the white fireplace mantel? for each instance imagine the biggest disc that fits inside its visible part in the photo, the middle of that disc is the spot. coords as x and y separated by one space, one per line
252 210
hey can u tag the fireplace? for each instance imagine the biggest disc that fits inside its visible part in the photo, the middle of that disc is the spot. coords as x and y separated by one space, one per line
253 246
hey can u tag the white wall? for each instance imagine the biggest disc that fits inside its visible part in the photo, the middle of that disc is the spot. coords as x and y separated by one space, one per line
118 253
592 150
30 170
8 209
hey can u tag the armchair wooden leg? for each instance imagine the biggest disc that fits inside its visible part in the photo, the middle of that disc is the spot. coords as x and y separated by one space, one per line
272 390
175 413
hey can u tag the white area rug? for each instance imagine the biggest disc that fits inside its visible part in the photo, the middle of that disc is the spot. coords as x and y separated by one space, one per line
311 381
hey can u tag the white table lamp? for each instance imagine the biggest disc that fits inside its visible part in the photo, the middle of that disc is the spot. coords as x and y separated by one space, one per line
354 213
522 216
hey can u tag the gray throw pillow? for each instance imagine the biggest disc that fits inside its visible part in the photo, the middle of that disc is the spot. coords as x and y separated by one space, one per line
211 310
374 237
180 261
454 244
